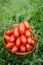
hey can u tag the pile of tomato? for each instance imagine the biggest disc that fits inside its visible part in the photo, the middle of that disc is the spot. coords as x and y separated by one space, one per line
20 39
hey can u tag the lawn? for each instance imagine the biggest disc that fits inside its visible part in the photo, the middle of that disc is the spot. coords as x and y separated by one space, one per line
16 11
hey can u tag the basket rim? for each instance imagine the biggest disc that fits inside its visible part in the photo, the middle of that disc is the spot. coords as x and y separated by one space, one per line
26 53
19 53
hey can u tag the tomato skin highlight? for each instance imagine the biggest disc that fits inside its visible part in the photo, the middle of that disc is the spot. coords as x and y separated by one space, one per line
27 33
14 50
12 39
23 40
27 25
22 48
28 47
33 42
7 38
18 42
29 40
21 29
16 33
9 45
8 33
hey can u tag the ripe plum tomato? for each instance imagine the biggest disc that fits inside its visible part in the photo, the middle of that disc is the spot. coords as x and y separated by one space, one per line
33 42
8 32
16 33
14 49
9 45
28 47
22 48
12 39
27 33
29 40
31 47
21 29
23 39
27 25
7 38
18 42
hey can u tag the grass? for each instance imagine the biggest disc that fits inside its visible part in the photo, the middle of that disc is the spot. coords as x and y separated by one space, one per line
16 11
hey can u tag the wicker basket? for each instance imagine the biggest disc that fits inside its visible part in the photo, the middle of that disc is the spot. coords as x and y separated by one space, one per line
19 54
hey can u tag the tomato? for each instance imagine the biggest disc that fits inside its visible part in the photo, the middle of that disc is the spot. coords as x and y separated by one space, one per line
8 32
16 33
12 39
23 39
33 42
28 47
14 49
21 29
26 24
29 40
9 45
7 38
18 42
22 48
27 33
31 47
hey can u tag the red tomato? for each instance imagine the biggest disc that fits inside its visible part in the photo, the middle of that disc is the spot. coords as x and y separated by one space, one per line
29 40
28 47
12 39
16 33
26 24
18 42
9 45
22 48
21 29
33 42
23 39
14 50
8 32
7 38
27 33
31 47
